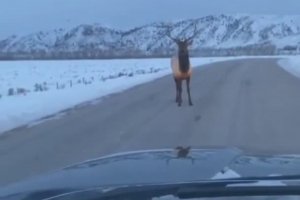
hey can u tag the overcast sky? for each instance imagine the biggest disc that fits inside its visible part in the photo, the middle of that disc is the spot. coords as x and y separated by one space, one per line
26 16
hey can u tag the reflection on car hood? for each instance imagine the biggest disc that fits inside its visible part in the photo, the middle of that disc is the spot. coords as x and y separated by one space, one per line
157 167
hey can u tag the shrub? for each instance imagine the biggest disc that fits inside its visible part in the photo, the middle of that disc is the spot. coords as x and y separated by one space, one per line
130 74
21 91
11 92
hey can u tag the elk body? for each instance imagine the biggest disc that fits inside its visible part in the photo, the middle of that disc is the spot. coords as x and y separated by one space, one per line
181 66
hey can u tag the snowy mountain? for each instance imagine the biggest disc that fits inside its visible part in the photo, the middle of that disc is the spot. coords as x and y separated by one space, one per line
34 42
213 32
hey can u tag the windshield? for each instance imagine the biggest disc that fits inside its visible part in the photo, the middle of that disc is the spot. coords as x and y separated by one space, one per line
105 93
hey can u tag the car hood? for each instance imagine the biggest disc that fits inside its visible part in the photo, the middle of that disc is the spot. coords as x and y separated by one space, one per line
148 167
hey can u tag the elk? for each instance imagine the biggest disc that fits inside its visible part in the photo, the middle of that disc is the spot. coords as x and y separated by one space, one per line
181 66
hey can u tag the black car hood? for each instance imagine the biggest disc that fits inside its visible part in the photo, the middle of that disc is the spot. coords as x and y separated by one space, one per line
154 167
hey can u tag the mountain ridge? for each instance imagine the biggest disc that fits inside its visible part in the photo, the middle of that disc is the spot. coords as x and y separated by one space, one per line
214 32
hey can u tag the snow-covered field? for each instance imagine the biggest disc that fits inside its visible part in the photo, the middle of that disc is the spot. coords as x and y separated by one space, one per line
291 64
43 88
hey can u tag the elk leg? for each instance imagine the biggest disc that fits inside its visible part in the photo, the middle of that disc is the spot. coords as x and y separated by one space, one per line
177 97
188 91
180 92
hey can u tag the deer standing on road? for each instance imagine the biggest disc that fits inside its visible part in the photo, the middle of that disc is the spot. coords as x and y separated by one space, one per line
181 66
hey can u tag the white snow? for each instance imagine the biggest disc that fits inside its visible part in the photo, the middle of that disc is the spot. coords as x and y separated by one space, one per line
166 197
291 64
285 41
226 173
103 77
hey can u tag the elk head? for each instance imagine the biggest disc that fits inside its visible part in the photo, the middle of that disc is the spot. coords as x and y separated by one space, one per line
182 44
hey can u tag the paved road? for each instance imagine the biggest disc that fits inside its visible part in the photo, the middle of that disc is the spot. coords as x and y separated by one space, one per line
250 104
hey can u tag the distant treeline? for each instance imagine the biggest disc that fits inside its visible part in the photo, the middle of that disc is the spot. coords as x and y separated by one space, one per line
250 50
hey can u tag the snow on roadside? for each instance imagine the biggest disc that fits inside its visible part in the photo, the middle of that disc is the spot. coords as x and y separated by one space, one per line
66 84
291 64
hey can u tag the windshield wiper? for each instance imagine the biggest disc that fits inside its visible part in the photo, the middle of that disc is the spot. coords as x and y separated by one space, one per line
250 186
212 191
244 186
266 178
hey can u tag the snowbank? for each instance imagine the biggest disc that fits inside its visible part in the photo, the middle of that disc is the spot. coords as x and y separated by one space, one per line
291 64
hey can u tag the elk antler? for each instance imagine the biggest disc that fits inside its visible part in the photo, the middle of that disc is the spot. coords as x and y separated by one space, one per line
195 33
168 29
